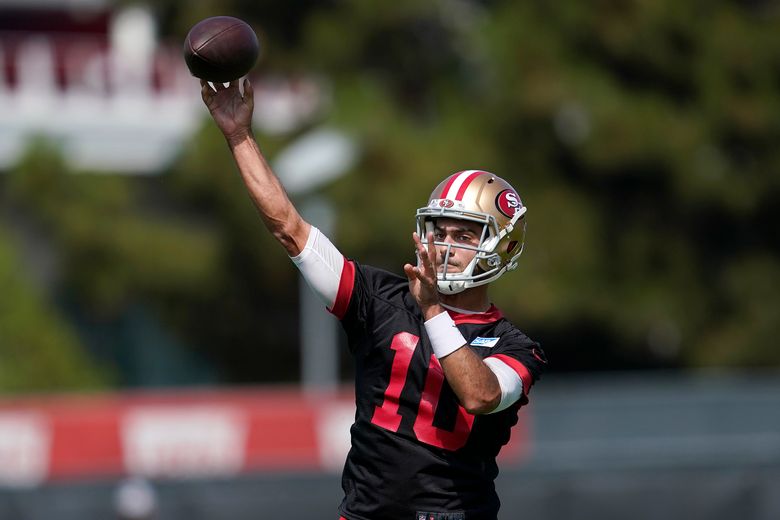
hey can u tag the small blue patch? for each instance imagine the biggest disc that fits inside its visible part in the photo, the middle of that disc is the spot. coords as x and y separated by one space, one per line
484 342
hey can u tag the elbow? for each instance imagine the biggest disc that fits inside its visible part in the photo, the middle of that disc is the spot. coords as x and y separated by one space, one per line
482 403
292 233
288 242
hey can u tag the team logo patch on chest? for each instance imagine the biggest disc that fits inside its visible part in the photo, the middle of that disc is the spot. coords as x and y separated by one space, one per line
479 341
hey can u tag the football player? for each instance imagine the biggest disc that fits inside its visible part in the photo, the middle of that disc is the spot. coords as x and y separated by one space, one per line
440 373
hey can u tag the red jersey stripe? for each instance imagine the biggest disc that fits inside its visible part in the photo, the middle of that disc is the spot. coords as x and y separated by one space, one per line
344 294
465 185
518 367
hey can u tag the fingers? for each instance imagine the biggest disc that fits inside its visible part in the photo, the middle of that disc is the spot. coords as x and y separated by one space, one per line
422 254
209 90
426 251
417 243
249 94
432 251
205 90
412 272
427 256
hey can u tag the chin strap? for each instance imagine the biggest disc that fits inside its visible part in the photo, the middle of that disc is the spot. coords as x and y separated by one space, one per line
451 286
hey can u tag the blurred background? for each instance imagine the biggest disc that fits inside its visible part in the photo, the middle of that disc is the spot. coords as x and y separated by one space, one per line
159 359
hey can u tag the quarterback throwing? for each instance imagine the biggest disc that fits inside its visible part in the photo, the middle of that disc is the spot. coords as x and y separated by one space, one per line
440 373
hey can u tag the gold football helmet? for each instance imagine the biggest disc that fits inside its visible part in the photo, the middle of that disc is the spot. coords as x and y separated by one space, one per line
481 197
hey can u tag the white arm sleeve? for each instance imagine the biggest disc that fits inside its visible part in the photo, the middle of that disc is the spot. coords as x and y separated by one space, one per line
511 384
321 264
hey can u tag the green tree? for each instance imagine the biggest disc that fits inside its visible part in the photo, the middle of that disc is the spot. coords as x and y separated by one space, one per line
39 349
641 135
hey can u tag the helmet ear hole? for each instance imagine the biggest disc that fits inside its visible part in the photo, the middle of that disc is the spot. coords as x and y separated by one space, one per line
511 246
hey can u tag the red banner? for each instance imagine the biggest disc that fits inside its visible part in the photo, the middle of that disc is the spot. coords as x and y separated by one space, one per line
182 434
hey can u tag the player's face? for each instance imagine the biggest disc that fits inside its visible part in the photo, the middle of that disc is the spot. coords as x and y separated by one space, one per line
456 232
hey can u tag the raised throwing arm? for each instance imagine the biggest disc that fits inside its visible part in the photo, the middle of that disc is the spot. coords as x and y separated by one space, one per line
232 112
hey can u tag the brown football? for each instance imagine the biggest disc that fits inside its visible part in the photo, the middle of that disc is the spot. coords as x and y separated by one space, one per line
221 49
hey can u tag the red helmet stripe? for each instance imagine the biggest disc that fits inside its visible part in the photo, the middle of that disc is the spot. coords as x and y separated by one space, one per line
449 184
464 186
455 184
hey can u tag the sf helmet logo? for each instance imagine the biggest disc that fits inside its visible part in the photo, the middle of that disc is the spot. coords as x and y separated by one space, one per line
508 202
446 203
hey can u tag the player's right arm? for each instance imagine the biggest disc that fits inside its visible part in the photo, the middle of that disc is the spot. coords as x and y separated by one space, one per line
232 112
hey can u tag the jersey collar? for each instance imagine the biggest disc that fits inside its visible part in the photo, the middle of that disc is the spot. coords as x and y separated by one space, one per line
489 316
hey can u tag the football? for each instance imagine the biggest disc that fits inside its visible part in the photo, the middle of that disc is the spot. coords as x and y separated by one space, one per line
221 49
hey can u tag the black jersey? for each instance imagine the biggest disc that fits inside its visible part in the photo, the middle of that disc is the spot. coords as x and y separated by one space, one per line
415 450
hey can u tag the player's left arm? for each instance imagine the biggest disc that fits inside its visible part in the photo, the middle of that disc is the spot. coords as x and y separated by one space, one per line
475 384
480 387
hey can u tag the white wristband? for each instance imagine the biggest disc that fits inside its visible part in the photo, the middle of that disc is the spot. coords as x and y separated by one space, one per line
444 335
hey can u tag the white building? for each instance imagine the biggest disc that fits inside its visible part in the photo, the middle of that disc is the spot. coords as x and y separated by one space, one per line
95 79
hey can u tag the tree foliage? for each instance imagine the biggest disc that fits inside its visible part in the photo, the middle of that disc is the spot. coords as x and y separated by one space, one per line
642 136
39 349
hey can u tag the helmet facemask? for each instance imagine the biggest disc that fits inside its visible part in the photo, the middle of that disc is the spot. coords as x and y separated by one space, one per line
487 264
481 197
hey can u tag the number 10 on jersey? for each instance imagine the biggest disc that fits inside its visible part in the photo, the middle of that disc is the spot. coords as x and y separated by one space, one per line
387 416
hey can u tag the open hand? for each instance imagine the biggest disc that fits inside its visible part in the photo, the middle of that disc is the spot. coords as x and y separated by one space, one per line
422 277
231 110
